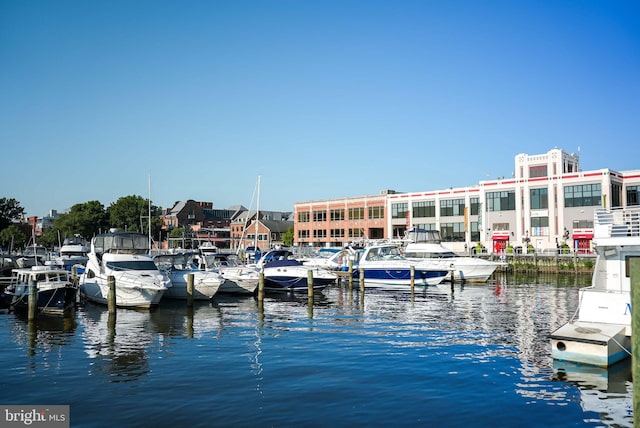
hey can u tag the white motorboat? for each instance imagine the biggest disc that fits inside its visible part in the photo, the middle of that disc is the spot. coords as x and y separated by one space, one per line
384 265
73 251
123 255
331 258
242 279
33 255
56 293
283 272
427 244
600 333
179 266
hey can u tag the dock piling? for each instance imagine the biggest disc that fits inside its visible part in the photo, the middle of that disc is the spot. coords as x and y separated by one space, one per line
190 277
32 307
310 284
261 285
111 298
413 278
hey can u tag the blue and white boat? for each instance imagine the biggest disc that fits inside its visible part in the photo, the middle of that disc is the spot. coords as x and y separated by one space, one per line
600 332
383 264
283 272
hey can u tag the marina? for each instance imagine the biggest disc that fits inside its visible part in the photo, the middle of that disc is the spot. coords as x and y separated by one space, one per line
446 355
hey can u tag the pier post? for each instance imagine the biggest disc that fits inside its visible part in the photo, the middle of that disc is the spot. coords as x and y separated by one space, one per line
190 289
310 284
111 298
634 268
32 303
350 273
413 278
362 280
261 285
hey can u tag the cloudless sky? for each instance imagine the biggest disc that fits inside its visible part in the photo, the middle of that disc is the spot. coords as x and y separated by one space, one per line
321 99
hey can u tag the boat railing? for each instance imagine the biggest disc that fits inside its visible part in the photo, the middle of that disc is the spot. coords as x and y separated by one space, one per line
618 222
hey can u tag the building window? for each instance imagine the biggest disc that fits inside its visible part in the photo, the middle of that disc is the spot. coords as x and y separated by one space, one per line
539 199
632 195
376 233
356 213
451 207
616 195
475 206
356 233
424 209
425 226
337 215
537 171
582 224
475 231
303 234
585 195
376 212
319 234
452 231
319 216
500 226
539 226
303 216
501 201
399 210
337 233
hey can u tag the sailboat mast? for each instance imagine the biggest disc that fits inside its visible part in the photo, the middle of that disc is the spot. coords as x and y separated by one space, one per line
255 239
149 213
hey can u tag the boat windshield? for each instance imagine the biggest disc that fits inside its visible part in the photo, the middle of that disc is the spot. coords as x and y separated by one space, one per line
379 253
416 254
132 265
422 235
121 242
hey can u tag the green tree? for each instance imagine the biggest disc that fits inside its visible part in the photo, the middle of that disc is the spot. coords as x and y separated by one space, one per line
10 211
12 235
132 213
86 219
177 232
287 237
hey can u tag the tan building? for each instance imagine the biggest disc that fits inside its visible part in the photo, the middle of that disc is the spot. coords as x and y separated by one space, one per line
336 222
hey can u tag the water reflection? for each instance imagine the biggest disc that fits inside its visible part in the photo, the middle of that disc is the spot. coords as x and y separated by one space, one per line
497 330
116 343
607 391
45 335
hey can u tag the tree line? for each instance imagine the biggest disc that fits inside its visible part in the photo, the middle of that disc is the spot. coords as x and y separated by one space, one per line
85 219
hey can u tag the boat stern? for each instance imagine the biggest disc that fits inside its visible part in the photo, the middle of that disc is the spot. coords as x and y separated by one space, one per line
597 344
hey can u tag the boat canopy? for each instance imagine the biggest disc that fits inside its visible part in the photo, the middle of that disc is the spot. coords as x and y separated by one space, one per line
121 242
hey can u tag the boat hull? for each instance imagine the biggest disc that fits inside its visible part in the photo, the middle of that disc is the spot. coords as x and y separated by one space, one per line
127 296
400 276
239 285
296 278
55 301
205 285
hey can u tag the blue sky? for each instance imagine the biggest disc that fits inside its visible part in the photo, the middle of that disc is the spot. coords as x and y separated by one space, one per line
321 99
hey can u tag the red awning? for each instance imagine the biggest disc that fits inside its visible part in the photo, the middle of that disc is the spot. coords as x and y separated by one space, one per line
500 237
582 236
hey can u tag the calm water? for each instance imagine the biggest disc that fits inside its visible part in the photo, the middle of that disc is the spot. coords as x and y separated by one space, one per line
475 356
